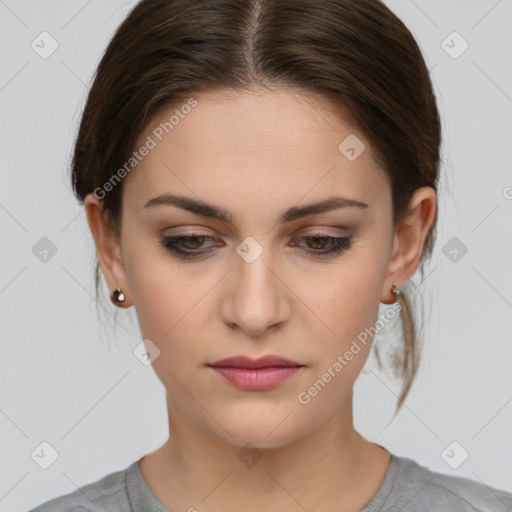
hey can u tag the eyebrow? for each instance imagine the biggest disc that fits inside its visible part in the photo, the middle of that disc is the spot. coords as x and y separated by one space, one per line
204 209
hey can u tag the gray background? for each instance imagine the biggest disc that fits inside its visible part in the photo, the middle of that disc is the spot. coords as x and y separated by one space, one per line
67 381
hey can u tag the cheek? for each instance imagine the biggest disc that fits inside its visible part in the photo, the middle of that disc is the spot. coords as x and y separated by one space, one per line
170 305
351 314
349 307
155 286
351 301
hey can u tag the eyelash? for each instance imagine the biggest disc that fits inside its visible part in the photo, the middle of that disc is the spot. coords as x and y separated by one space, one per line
340 244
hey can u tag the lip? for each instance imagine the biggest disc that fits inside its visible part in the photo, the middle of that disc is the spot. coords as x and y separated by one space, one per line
262 362
256 379
256 374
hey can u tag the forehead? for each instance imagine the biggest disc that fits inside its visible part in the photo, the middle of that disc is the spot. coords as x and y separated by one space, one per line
259 141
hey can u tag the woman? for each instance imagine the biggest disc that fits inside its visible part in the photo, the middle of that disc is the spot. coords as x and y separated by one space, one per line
258 177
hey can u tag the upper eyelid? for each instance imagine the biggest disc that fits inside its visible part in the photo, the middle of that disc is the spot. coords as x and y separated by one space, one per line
208 238
193 231
212 239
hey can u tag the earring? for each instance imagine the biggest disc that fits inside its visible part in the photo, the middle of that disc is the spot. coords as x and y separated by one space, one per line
117 297
395 290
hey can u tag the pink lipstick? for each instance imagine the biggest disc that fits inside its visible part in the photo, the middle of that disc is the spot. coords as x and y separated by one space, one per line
256 374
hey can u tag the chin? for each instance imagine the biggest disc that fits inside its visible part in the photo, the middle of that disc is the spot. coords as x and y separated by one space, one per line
262 426
250 438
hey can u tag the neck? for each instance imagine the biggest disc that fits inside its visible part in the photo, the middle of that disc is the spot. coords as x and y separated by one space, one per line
334 466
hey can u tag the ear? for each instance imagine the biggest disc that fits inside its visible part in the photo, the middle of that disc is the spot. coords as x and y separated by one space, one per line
409 240
108 248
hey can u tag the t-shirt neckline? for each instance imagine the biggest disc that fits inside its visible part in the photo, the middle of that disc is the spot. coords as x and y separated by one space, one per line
142 498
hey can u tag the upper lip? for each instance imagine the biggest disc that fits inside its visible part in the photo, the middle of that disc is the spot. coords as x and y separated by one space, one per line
262 362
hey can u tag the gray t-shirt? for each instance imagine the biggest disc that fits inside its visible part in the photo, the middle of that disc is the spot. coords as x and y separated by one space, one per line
407 487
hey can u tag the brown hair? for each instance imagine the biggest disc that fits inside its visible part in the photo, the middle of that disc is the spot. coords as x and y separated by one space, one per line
356 53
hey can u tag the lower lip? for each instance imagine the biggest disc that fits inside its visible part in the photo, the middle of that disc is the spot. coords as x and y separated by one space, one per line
256 379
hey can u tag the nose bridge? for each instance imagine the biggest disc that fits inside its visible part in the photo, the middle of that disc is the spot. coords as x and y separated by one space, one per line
257 298
254 268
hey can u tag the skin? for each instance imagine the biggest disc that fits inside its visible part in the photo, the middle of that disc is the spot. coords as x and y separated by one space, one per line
257 153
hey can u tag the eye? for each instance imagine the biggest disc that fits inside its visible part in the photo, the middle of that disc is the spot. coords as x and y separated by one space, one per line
187 246
191 242
334 244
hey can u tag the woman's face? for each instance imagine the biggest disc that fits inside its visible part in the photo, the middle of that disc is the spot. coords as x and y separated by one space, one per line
261 281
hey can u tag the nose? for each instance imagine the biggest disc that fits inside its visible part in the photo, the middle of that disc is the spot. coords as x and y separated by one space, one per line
256 298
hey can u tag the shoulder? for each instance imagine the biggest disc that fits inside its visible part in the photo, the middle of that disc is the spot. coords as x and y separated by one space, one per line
419 488
108 494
